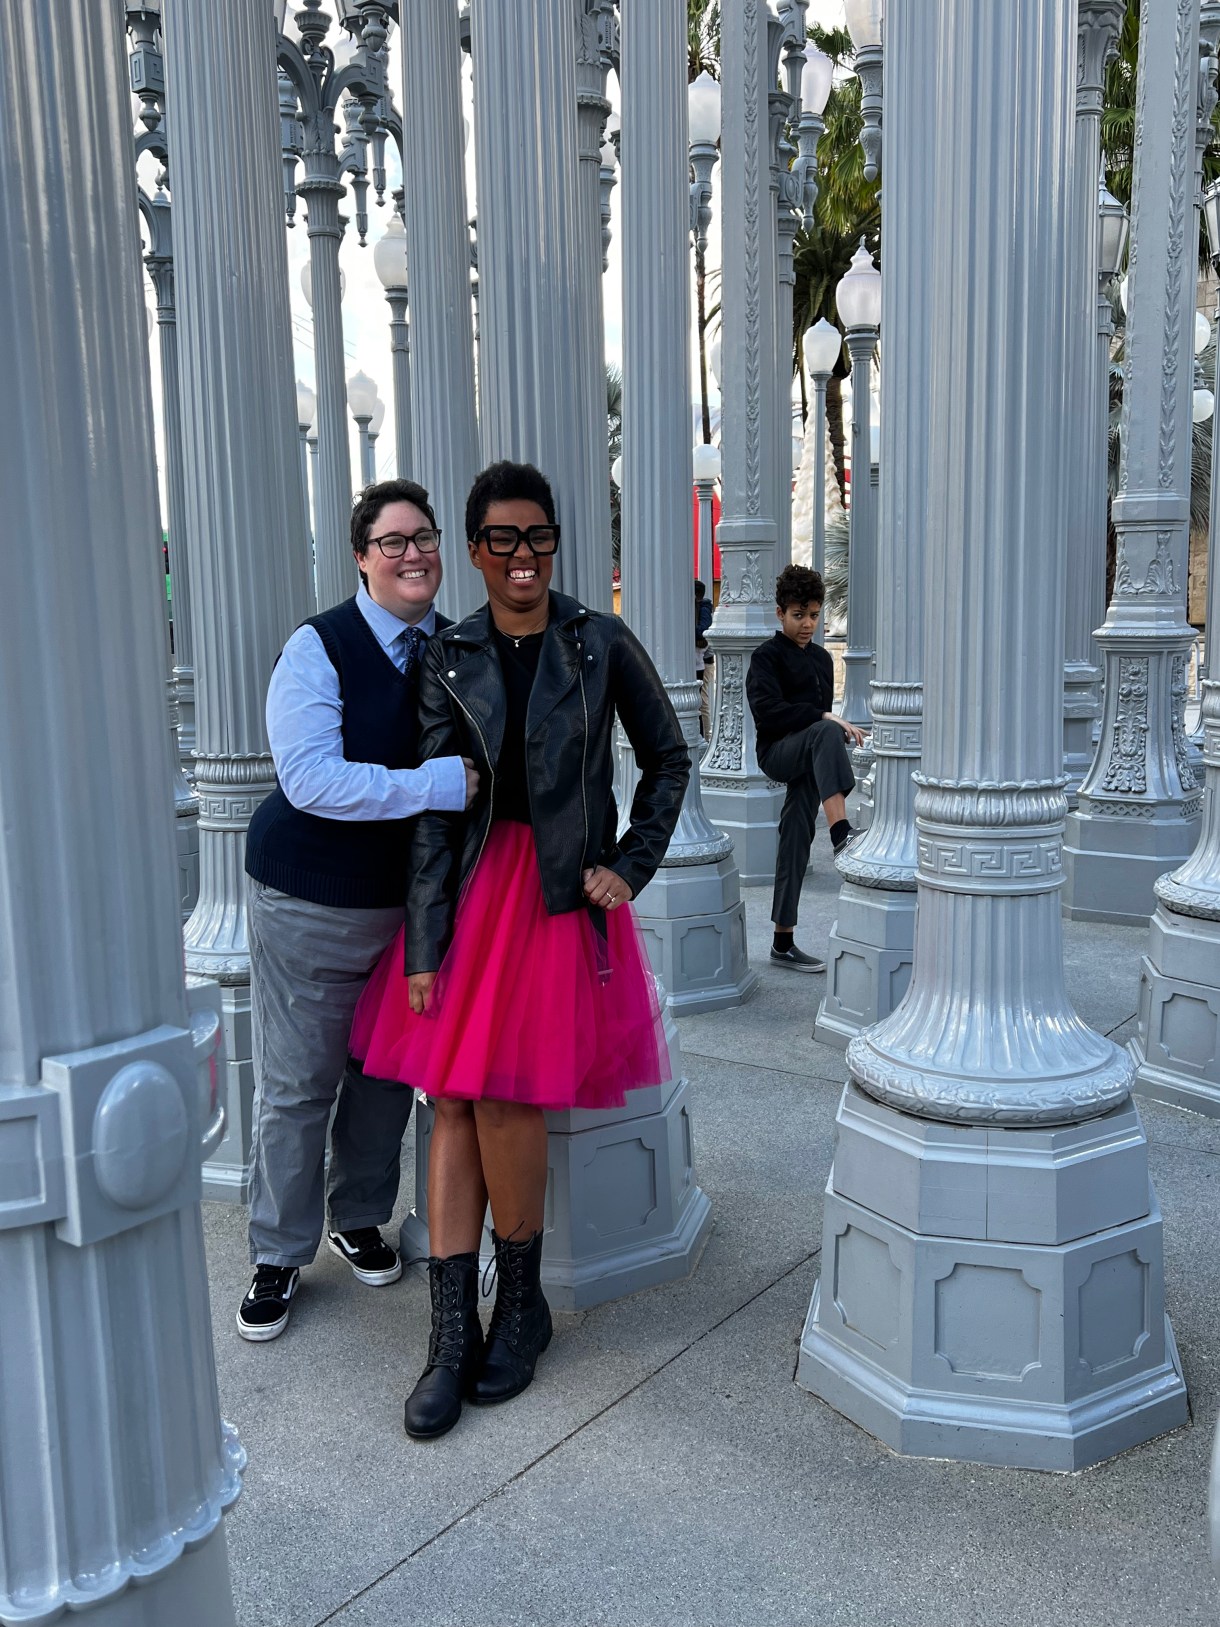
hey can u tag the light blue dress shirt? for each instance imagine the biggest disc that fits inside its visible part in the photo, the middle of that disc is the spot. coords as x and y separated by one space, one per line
305 727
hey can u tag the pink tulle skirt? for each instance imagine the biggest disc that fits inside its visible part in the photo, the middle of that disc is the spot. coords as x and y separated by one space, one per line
521 1010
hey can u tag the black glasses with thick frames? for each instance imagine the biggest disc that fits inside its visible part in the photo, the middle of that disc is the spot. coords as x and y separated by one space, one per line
504 539
394 544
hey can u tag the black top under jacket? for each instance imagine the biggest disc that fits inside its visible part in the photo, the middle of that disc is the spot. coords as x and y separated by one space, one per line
788 688
591 670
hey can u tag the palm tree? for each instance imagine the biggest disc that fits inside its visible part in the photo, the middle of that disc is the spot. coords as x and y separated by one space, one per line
614 447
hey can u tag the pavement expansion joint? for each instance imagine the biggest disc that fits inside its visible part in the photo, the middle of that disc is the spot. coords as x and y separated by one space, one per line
499 1491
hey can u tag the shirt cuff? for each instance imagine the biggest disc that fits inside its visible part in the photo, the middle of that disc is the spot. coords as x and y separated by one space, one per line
449 790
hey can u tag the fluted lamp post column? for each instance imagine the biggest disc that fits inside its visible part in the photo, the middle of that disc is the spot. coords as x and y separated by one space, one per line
376 422
858 299
390 264
242 481
362 400
307 411
706 465
444 429
821 348
1139 804
739 798
1177 1045
115 1465
623 1210
992 1286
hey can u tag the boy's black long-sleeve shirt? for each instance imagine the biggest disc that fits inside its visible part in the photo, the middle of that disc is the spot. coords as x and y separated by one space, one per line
788 688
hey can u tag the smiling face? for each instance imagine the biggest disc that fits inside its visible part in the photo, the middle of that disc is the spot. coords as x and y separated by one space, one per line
799 621
406 587
517 583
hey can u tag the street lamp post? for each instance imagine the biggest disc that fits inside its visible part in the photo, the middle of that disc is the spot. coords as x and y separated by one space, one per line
1177 1064
865 24
444 449
788 190
739 798
703 125
320 77
115 1465
706 464
606 183
1084 586
821 348
390 264
307 405
241 477
858 298
362 400
375 426
1138 810
992 1286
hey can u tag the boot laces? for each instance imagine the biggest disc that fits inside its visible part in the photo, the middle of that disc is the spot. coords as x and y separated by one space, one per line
447 1341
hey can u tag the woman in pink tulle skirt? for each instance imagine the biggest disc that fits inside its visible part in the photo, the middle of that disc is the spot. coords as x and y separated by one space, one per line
520 982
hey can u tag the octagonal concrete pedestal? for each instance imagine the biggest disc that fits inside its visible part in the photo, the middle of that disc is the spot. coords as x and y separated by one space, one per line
993 1296
1177 1048
694 927
869 956
623 1210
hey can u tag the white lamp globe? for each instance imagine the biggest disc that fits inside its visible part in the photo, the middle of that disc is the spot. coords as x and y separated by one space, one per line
361 395
706 461
1203 332
609 156
390 254
703 106
1122 293
378 418
307 283
864 21
616 471
858 296
1202 405
306 405
874 443
821 346
1112 227
816 78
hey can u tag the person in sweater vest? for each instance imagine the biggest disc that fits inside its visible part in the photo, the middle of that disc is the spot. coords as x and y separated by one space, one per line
326 862
801 743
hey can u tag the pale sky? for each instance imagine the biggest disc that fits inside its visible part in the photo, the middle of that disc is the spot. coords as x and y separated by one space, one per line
365 312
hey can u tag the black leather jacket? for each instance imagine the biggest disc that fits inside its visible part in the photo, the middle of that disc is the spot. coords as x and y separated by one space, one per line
591 667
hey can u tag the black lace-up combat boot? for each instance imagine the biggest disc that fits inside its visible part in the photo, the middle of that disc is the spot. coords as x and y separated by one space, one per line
520 1323
455 1348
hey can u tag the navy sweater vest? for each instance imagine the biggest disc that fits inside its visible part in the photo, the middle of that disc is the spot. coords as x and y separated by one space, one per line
347 863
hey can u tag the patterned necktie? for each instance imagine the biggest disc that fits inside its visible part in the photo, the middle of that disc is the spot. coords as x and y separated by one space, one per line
409 643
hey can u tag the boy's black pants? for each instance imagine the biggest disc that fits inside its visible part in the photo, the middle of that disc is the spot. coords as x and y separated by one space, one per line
813 764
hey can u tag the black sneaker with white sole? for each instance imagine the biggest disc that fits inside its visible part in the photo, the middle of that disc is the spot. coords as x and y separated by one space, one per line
796 960
369 1255
264 1312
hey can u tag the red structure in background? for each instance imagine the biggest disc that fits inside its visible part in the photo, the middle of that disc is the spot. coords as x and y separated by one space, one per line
715 545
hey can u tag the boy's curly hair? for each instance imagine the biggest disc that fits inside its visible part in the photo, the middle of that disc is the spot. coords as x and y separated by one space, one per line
797 584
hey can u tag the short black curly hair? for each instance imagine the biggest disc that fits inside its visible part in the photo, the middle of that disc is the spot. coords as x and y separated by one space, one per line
797 584
506 482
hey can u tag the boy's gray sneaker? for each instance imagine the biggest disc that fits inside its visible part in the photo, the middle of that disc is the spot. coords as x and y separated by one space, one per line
796 960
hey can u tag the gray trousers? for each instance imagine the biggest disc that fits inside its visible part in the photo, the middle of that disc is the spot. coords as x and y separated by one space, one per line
813 764
308 966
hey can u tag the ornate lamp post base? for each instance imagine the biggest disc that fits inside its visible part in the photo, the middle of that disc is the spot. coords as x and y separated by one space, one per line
1177 1048
694 927
872 947
623 1209
932 1242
